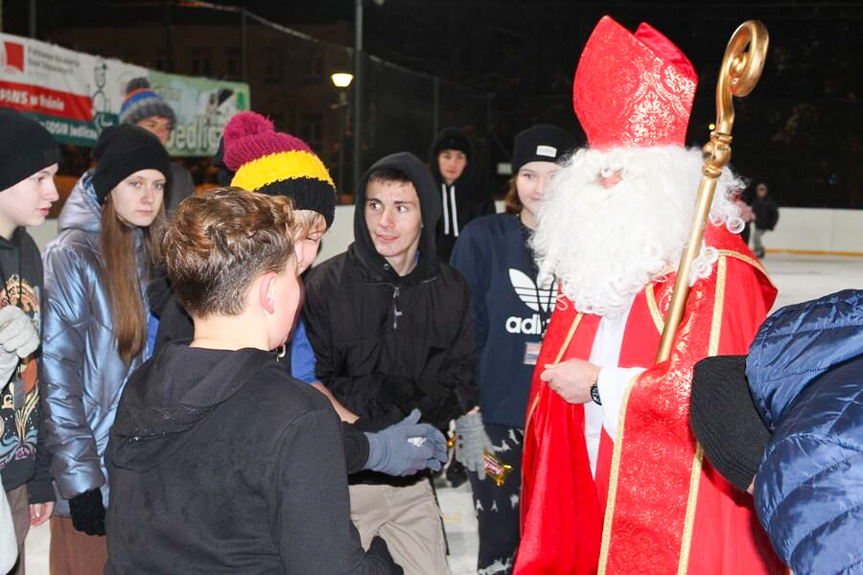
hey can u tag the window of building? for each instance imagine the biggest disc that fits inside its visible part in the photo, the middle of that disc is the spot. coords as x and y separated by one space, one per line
313 70
312 130
202 63
273 66
233 64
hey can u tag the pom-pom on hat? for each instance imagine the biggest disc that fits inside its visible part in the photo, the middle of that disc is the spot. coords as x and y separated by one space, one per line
142 102
276 163
25 148
632 89
123 150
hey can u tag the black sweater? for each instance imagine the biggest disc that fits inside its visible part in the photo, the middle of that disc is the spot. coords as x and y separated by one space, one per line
221 463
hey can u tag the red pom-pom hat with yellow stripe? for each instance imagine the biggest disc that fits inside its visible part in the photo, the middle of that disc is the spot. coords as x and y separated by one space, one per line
275 163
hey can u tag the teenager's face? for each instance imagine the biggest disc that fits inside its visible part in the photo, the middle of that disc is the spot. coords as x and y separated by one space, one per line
159 126
530 183
307 246
393 218
287 294
28 202
452 164
138 198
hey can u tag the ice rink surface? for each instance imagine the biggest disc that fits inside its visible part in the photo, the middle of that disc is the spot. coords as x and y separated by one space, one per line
798 277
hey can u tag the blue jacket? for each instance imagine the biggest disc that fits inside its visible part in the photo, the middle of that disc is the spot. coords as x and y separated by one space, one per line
805 370
82 372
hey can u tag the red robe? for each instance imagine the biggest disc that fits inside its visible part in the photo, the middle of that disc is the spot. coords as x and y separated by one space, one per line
656 506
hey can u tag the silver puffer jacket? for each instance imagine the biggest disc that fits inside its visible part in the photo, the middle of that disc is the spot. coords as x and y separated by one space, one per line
82 373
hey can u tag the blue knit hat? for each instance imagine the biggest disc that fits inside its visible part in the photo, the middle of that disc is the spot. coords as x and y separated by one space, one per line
142 102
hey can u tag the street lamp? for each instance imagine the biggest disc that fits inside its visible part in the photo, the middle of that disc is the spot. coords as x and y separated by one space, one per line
341 80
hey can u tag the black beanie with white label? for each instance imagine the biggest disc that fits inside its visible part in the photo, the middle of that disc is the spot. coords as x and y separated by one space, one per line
540 143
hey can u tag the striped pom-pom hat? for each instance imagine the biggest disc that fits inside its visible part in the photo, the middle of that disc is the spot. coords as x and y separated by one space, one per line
275 163
142 102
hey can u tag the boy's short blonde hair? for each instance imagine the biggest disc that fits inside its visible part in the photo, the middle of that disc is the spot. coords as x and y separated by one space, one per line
307 221
220 241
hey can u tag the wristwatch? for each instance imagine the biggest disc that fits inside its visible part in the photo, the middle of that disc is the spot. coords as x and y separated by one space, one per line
594 394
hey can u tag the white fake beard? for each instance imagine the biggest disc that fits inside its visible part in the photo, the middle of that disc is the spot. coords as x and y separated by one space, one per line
606 245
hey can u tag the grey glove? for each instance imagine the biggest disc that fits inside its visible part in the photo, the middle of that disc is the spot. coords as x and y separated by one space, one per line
406 447
17 333
471 443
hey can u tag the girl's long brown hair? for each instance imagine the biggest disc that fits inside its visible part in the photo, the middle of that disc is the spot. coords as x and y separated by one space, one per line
512 203
121 277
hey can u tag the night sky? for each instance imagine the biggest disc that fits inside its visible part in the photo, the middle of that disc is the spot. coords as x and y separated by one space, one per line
800 130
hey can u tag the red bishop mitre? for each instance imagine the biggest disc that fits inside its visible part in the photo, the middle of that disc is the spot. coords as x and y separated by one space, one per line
632 89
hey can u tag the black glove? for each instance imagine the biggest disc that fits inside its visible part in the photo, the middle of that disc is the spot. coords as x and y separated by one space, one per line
88 512
379 548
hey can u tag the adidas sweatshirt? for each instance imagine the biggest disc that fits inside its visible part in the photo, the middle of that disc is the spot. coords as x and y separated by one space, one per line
510 312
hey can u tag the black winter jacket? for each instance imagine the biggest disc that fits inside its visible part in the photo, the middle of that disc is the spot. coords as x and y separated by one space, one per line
766 213
176 325
219 462
385 343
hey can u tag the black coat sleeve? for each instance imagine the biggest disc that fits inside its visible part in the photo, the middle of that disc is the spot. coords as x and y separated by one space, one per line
309 503
356 447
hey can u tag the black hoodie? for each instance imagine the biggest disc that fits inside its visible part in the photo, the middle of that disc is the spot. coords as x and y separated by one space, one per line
23 459
385 343
461 201
220 463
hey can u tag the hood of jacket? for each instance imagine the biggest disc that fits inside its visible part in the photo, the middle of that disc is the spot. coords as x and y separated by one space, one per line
807 377
81 210
364 249
466 181
797 344
170 395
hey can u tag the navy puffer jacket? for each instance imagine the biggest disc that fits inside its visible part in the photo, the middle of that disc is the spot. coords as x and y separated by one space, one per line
805 370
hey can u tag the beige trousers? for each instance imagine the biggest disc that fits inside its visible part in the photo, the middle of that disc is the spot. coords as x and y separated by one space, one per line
408 519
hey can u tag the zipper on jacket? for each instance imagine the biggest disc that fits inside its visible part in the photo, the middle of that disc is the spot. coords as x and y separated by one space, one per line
396 311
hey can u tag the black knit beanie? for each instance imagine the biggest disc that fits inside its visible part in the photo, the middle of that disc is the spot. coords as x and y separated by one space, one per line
123 150
724 419
543 143
452 139
25 148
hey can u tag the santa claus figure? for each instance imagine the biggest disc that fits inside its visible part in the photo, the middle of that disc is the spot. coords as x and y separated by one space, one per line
614 481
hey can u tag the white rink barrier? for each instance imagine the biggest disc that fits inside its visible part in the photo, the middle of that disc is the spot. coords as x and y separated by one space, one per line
800 230
817 231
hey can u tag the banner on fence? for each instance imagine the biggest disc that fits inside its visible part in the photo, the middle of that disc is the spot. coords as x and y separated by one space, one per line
75 95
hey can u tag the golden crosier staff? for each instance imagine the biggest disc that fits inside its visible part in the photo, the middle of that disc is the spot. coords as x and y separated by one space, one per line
740 71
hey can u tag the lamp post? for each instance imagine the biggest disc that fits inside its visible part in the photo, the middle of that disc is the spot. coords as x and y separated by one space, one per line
341 80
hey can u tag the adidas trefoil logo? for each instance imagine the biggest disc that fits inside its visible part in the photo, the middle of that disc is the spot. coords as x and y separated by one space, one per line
537 298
